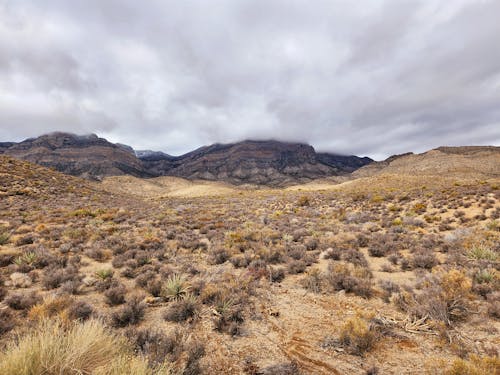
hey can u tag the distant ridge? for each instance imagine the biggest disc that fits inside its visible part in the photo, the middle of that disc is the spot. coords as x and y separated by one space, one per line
460 162
248 162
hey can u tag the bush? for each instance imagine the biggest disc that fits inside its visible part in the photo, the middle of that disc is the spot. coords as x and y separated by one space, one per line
115 295
130 314
218 256
7 321
22 301
159 347
444 298
357 336
475 365
182 310
424 260
350 278
54 277
80 310
296 266
277 275
80 348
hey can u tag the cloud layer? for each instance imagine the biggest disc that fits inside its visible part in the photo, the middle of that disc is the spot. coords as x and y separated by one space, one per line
365 78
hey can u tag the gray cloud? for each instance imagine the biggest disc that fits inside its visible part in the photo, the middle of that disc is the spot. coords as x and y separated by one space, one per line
368 78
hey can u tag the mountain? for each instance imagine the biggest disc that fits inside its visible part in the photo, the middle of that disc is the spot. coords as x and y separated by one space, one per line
78 155
461 162
254 162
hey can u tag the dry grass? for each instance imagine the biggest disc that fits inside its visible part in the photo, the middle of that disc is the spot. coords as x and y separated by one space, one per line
79 348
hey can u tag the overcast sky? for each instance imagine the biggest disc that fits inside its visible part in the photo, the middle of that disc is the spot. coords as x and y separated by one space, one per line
357 77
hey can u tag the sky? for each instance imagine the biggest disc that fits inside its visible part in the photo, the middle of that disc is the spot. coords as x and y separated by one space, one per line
371 78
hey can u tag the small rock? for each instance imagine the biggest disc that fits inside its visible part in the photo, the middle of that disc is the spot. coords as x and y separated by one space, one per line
153 300
89 280
20 280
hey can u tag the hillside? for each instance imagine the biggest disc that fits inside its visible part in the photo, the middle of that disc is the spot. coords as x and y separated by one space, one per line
460 162
84 156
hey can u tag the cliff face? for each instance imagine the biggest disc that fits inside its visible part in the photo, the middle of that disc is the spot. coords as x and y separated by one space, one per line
86 156
254 162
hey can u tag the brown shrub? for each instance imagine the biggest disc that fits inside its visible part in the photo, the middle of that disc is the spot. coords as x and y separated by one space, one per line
115 295
131 313
80 310
20 301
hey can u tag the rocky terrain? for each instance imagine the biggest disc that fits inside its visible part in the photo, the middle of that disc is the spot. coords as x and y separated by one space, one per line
254 162
84 156
249 162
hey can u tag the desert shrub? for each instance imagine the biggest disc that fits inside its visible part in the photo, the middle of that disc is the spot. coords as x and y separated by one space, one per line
229 317
355 257
296 266
6 259
333 253
4 238
80 310
475 365
424 260
297 251
357 336
115 295
20 301
3 292
276 275
394 258
175 287
54 277
304 201
131 313
98 255
258 269
350 278
181 310
143 279
444 298
7 321
311 243
389 288
313 281
49 308
154 286
240 260
218 256
299 233
405 264
482 252
80 348
494 304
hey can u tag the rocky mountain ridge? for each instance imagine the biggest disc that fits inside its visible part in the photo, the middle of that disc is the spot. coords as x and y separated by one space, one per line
271 163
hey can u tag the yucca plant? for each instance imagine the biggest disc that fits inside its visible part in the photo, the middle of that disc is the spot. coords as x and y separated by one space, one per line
28 258
104 274
175 288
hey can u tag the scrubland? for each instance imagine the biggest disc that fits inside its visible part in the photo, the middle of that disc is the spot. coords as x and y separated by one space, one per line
387 274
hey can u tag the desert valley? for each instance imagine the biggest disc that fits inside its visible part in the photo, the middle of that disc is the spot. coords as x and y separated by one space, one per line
259 257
